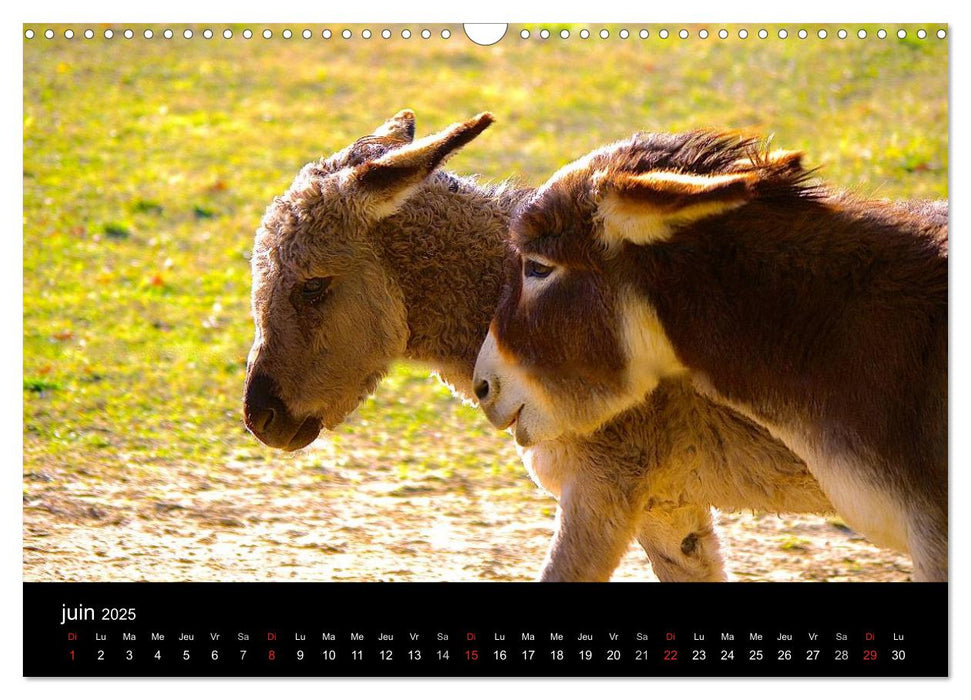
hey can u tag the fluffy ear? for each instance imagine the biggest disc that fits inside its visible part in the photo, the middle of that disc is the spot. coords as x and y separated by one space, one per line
401 127
646 208
396 132
389 180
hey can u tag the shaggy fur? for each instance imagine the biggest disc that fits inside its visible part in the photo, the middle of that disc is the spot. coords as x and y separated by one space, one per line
430 275
698 256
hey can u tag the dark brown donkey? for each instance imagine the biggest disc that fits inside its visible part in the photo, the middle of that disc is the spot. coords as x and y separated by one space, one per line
373 255
817 315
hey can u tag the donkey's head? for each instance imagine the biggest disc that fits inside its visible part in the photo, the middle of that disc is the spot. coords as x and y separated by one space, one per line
329 317
573 342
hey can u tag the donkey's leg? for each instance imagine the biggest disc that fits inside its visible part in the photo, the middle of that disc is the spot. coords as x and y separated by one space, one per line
928 545
595 524
681 543
934 569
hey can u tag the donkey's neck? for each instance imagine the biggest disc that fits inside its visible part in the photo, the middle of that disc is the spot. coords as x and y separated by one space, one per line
809 313
446 249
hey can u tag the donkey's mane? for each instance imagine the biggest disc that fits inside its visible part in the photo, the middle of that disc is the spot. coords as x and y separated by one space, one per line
709 152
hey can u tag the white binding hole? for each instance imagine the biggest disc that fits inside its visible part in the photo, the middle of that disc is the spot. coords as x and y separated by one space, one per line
385 33
783 34
722 33
287 34
425 34
168 34
524 34
643 34
49 34
227 34
921 34
485 34
326 34
306 33
446 33
129 33
187 34
901 33
703 33
663 33
623 34
405 33
743 33
941 34
68 33
366 34
763 34
821 33
109 34
148 33
89 34
247 33
683 34
841 33
207 33
564 33
604 33
802 33
861 33
267 34
346 34
584 33
29 34
544 34
881 33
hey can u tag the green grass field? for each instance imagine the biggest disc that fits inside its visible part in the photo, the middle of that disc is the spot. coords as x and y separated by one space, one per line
148 164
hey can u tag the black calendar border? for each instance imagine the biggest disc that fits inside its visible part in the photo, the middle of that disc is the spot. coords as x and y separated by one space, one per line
917 611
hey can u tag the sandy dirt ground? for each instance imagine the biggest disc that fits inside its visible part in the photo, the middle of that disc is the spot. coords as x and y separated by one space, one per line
322 516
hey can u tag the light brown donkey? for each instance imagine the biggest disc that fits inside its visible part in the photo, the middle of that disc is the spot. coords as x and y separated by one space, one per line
817 315
374 255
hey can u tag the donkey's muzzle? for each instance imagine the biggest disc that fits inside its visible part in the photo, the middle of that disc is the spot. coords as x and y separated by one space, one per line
269 419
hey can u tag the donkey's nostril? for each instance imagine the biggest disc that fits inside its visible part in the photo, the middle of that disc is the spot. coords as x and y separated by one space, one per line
260 420
263 410
481 389
267 418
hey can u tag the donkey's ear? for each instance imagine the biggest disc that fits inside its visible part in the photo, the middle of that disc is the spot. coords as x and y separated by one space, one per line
389 180
401 127
647 207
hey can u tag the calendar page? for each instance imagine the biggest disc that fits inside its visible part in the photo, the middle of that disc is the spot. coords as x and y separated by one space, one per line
346 344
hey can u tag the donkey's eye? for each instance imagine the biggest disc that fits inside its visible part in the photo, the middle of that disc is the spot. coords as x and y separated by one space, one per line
315 287
532 268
